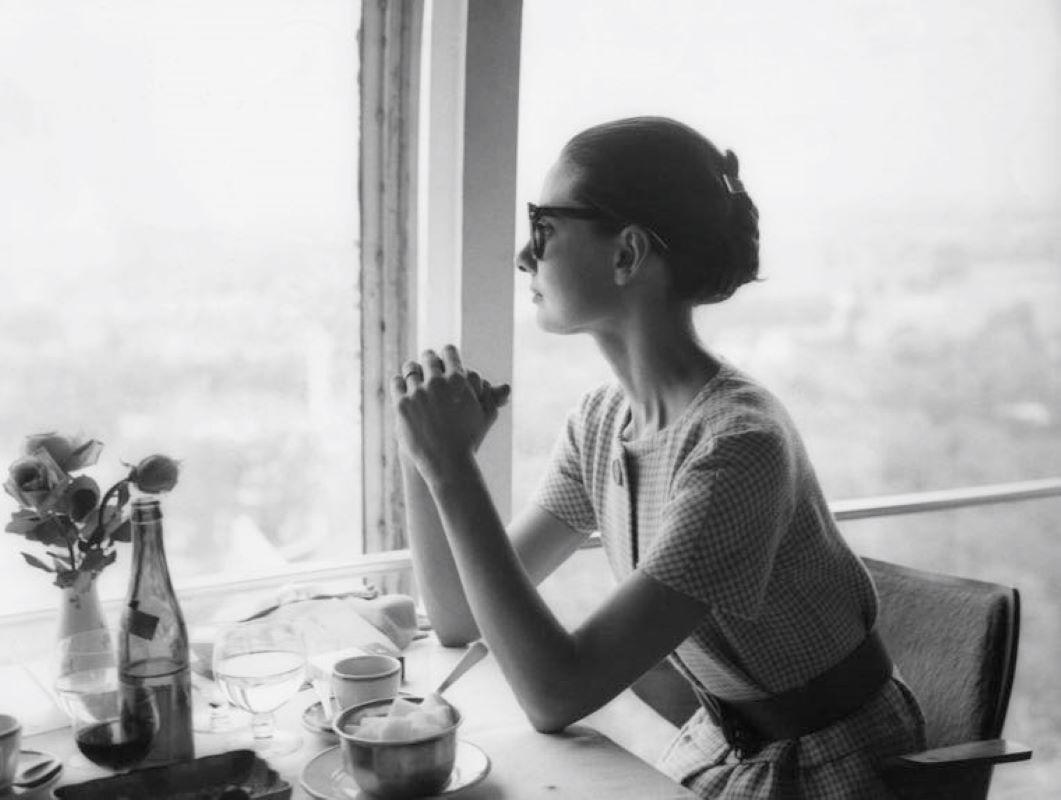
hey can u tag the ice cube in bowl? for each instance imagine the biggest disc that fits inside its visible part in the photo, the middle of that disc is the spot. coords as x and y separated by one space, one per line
398 757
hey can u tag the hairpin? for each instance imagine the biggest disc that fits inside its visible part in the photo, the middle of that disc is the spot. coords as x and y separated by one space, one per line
733 184
730 169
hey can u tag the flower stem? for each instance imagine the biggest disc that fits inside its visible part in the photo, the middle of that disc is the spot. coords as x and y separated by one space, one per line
97 535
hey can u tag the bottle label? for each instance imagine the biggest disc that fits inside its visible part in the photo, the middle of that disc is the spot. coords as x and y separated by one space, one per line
141 623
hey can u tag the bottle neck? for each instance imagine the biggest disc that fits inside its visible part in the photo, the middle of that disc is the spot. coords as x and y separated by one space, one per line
150 573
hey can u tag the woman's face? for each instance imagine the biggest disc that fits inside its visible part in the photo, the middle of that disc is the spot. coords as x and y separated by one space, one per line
573 283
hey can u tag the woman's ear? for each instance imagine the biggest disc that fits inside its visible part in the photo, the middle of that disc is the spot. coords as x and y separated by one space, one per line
631 254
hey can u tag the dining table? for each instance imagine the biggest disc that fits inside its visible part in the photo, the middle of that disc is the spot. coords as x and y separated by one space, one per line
523 764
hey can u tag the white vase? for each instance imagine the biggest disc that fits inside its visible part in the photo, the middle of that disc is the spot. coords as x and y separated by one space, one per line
80 611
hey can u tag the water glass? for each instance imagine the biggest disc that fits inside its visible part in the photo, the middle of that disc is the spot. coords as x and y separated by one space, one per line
112 728
260 665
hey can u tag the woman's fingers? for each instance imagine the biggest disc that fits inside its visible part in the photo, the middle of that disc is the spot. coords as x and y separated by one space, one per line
501 394
475 381
398 388
452 359
412 374
433 366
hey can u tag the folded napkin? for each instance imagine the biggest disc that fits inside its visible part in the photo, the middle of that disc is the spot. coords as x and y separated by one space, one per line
332 624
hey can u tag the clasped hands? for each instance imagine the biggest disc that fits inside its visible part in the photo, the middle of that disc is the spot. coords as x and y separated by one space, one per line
443 410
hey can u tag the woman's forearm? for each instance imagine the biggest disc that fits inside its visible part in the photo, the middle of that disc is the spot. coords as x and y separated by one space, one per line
433 565
535 652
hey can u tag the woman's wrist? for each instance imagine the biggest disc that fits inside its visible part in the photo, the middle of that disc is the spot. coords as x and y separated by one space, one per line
450 473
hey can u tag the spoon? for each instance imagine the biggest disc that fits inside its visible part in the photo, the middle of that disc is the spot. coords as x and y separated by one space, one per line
475 653
41 769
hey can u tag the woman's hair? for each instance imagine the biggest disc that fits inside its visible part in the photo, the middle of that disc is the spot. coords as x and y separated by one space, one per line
663 175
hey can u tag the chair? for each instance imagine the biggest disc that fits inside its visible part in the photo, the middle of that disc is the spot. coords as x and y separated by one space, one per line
955 643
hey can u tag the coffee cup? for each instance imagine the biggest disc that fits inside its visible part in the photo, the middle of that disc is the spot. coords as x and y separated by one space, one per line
359 679
10 744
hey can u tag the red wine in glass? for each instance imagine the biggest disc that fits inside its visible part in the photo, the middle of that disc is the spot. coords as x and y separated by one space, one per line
115 744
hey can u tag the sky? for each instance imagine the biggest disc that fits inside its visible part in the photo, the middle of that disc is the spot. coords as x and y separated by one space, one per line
865 104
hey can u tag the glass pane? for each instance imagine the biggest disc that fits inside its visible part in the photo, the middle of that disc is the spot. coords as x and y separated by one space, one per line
904 157
178 262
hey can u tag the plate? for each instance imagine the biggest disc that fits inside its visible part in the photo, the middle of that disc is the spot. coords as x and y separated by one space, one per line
314 720
325 779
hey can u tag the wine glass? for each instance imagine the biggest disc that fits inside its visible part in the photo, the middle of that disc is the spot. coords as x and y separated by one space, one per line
114 725
260 665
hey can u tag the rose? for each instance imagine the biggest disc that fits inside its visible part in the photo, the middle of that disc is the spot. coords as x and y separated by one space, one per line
68 452
36 481
155 474
80 498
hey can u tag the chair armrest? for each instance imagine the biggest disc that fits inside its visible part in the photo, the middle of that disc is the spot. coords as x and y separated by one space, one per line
982 753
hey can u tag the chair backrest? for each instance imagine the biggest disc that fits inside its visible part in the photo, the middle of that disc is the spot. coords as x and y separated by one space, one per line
955 643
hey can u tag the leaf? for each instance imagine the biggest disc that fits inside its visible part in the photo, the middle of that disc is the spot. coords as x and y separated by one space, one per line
23 521
89 530
53 530
123 494
33 561
61 561
84 456
94 560
123 533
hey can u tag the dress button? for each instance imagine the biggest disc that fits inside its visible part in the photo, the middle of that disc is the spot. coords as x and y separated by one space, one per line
617 472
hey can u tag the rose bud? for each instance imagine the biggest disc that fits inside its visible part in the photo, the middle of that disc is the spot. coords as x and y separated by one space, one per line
155 474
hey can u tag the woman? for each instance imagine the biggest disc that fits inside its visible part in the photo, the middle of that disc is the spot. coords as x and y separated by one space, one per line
726 555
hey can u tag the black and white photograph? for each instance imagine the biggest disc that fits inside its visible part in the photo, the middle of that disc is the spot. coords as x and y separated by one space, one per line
530 399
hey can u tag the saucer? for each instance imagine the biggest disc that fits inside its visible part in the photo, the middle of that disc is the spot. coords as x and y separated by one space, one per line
325 779
314 720
27 759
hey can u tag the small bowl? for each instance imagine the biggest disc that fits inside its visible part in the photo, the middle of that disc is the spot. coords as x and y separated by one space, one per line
398 770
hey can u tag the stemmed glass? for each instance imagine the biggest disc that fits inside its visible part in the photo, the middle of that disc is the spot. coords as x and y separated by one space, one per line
113 727
260 665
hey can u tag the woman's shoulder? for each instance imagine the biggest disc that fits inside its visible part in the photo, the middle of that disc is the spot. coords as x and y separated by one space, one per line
737 417
600 403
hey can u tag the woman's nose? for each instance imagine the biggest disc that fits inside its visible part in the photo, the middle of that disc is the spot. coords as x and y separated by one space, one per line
525 261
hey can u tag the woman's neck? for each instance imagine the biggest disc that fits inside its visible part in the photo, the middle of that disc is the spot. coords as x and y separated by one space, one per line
660 364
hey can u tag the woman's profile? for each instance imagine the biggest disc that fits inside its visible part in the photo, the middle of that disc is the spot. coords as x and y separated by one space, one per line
726 556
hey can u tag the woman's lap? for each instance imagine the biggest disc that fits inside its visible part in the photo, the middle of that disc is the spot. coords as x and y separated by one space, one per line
840 761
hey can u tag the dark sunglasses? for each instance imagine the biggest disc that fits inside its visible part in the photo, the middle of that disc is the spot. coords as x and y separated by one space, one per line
537 230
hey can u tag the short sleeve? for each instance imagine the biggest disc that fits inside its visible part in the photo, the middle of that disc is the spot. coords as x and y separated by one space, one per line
722 524
563 490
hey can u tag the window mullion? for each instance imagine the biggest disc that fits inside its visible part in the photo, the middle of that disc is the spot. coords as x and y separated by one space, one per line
390 53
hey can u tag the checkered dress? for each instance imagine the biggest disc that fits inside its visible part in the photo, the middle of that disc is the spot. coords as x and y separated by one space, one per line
723 506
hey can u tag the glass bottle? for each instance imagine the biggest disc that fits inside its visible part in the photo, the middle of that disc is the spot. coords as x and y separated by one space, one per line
154 662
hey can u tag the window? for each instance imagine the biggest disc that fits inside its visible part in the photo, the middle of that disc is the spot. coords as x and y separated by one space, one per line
904 159
179 267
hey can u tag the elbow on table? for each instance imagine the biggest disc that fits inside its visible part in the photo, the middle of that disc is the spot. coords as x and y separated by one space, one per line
553 717
547 724
455 635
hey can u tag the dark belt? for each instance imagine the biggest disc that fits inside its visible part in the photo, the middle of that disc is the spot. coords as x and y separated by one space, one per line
828 698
